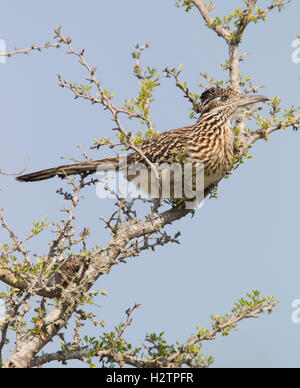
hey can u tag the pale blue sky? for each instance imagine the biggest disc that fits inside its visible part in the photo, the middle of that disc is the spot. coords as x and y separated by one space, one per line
248 238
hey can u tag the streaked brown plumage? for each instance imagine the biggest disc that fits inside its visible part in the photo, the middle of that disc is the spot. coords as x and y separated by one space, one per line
209 141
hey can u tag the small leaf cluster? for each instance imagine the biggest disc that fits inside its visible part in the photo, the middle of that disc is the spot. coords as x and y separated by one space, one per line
40 226
187 4
148 84
282 122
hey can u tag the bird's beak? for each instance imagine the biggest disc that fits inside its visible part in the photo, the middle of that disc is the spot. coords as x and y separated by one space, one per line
249 100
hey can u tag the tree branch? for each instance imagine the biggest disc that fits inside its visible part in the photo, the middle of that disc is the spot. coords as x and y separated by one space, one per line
220 30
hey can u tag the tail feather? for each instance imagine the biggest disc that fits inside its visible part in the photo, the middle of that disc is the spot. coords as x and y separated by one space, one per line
71 169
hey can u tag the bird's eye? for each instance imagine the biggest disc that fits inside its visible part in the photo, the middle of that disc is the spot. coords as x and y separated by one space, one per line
224 98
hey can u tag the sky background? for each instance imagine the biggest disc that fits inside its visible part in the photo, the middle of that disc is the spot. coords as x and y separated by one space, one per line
246 239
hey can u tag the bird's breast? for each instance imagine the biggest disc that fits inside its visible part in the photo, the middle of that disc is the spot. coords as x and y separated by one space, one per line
213 148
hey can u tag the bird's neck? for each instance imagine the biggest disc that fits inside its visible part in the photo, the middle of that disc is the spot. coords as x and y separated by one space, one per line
214 124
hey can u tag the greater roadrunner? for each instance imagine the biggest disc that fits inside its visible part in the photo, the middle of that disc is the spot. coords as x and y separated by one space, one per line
209 141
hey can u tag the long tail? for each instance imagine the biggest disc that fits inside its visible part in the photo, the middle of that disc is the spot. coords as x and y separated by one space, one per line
71 169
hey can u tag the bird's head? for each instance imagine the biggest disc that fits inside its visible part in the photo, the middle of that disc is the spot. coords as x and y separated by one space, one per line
226 101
